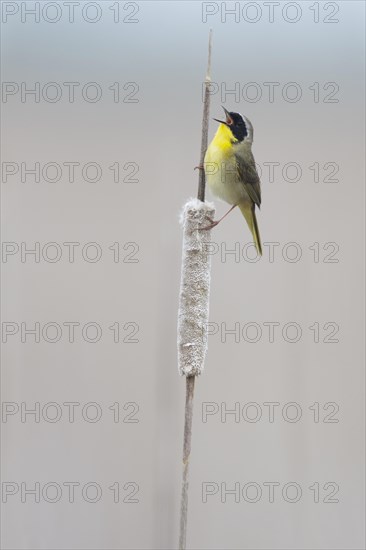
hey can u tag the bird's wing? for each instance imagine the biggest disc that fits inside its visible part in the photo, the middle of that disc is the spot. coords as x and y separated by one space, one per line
248 175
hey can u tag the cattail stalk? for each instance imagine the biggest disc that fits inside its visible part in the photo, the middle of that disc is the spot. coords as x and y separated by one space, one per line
194 299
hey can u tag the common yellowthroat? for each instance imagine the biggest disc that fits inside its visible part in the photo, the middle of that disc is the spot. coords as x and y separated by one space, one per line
230 169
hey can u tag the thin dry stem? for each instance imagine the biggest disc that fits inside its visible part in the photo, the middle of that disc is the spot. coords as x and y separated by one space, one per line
206 112
190 380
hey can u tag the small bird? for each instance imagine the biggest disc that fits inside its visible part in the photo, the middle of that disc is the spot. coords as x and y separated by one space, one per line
230 170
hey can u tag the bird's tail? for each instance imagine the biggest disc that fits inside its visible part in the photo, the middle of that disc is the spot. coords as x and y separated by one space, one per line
248 211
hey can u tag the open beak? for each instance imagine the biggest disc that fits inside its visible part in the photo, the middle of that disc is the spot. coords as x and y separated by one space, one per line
228 120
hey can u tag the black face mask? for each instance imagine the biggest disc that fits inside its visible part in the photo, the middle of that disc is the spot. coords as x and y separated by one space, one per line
238 126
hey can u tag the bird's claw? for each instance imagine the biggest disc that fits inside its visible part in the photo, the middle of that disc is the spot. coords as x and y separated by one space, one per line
211 225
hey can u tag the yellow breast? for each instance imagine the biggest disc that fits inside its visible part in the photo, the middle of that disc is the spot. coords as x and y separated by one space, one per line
221 147
221 167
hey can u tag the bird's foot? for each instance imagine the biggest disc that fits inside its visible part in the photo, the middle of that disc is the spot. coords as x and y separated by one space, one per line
211 225
199 167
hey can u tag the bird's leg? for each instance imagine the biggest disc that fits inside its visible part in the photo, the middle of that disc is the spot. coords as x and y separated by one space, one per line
199 167
215 223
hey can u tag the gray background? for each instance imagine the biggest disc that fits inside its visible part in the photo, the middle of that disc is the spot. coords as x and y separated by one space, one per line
165 53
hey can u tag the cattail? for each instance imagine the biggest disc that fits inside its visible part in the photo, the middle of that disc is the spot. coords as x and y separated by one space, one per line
195 287
194 299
